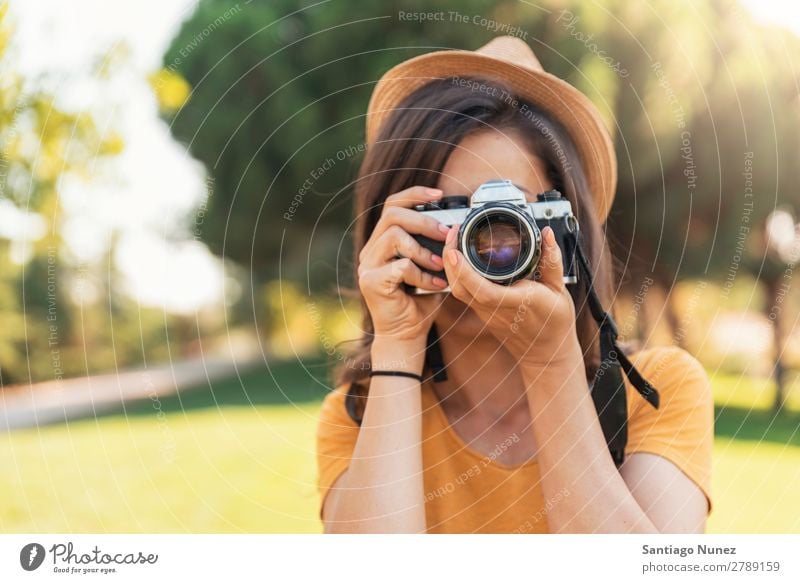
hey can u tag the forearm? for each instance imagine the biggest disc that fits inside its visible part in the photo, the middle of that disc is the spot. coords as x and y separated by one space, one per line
382 490
573 455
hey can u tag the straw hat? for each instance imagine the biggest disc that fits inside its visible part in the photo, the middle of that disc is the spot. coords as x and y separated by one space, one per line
511 61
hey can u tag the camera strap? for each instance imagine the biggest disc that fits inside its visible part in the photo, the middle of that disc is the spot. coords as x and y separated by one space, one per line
608 388
434 359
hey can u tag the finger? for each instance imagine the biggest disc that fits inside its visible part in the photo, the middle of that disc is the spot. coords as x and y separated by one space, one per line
412 196
406 271
551 266
395 242
412 222
466 284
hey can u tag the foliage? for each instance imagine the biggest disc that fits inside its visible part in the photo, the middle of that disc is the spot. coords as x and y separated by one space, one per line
278 99
278 88
60 317
39 145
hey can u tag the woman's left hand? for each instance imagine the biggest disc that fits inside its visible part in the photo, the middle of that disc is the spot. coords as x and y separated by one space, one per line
535 320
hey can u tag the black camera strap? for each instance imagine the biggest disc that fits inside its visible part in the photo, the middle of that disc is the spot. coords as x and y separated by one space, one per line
434 359
608 388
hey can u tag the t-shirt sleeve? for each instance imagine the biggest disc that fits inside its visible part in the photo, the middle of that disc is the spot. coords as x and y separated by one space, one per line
336 439
682 428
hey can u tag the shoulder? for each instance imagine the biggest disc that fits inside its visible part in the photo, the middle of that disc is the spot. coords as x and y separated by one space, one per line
686 410
333 412
665 361
677 375
336 438
336 431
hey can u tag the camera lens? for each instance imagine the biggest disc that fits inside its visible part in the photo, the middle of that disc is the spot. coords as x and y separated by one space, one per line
501 242
497 244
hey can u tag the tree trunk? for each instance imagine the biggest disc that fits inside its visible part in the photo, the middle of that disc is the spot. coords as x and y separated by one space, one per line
672 319
775 316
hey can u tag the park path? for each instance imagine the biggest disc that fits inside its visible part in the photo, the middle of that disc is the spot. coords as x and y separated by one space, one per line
37 404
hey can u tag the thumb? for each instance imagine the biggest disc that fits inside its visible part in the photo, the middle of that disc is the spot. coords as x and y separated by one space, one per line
551 265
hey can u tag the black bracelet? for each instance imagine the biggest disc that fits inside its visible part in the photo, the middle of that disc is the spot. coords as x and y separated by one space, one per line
395 373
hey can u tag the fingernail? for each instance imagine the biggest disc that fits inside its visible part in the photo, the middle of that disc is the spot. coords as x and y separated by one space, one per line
451 233
439 282
452 257
550 236
437 260
444 229
433 192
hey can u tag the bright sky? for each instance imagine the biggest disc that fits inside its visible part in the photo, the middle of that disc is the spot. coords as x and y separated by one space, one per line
785 13
154 183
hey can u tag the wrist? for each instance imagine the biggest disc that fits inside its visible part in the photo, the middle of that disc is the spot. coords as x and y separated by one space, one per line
557 391
561 362
398 355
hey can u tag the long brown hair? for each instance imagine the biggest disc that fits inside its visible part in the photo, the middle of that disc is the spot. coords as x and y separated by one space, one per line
412 149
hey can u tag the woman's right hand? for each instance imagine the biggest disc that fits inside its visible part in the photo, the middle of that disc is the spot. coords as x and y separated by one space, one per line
392 257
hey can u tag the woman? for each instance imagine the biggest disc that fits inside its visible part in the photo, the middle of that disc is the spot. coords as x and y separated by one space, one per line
510 441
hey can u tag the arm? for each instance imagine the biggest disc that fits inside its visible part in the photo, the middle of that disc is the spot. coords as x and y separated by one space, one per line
672 501
648 495
382 489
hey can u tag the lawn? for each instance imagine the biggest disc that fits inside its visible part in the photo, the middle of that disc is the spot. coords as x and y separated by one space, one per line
224 458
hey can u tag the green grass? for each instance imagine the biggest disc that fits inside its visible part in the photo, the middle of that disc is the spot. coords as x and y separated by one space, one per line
239 457
233 457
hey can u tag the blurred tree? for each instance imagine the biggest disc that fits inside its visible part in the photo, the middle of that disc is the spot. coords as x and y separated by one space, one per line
39 144
694 93
60 317
276 114
702 113
772 254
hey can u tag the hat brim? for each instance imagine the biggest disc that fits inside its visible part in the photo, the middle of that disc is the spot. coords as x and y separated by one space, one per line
565 103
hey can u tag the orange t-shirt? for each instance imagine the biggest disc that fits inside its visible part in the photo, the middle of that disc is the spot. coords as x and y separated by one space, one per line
466 491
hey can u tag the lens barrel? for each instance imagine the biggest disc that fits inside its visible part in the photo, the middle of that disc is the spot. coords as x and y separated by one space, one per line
501 241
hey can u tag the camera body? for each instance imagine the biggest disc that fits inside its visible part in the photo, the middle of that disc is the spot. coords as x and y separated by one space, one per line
501 232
